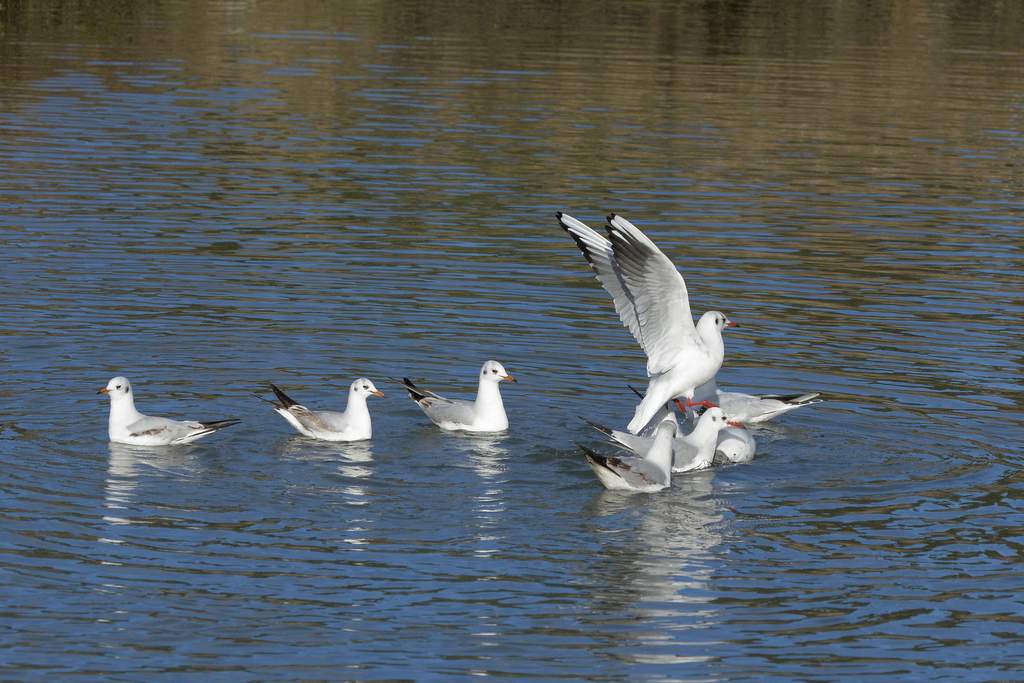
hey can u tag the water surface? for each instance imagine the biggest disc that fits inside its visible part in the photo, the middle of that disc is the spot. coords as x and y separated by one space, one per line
209 196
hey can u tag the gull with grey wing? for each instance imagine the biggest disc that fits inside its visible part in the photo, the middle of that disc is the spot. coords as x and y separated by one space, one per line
127 425
651 299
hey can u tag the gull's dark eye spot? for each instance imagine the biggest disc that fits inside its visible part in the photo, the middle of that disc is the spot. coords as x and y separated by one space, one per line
365 387
118 386
494 371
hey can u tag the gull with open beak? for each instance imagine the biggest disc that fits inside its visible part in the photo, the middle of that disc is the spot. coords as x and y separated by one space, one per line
485 414
327 425
127 425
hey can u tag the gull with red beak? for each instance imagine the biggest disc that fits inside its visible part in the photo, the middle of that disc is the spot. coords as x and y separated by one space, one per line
651 299
693 451
735 442
128 425
327 425
485 414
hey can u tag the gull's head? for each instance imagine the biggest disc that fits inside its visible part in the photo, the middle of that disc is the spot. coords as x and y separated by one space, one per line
495 372
364 387
117 389
716 320
716 419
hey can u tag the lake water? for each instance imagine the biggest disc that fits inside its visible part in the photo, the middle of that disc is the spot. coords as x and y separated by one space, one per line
206 197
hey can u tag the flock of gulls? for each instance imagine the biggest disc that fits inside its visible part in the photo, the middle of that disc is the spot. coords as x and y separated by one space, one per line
651 299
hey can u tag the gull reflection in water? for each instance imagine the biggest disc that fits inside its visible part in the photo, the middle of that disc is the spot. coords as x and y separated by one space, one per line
657 562
488 457
128 463
352 460
350 467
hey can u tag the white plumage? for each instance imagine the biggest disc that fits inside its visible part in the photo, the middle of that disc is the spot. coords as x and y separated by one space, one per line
485 414
353 424
127 425
651 299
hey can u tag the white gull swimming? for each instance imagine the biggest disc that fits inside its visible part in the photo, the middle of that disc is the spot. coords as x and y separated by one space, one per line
485 414
327 425
645 473
693 451
127 425
749 408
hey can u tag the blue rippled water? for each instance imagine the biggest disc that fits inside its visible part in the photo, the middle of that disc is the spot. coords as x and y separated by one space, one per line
209 196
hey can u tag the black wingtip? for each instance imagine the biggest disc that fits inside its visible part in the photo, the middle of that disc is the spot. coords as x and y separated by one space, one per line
612 216
285 399
599 427
599 460
414 393
558 215
220 424
264 399
797 399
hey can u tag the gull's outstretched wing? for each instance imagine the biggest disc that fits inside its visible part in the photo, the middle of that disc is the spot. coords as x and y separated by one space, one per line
657 292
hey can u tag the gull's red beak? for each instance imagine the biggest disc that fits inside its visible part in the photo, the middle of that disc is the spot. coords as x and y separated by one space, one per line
104 390
734 423
509 378
731 324
378 392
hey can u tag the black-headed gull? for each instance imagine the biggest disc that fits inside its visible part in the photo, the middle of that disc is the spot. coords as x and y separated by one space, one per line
127 425
645 473
351 425
485 414
735 443
751 409
693 451
651 299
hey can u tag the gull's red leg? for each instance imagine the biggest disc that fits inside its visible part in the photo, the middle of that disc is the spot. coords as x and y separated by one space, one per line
706 404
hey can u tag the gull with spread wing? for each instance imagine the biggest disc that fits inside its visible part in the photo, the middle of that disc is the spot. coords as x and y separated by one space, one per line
128 425
651 299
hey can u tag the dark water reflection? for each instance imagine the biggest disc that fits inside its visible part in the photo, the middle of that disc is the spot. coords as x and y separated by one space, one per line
208 196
